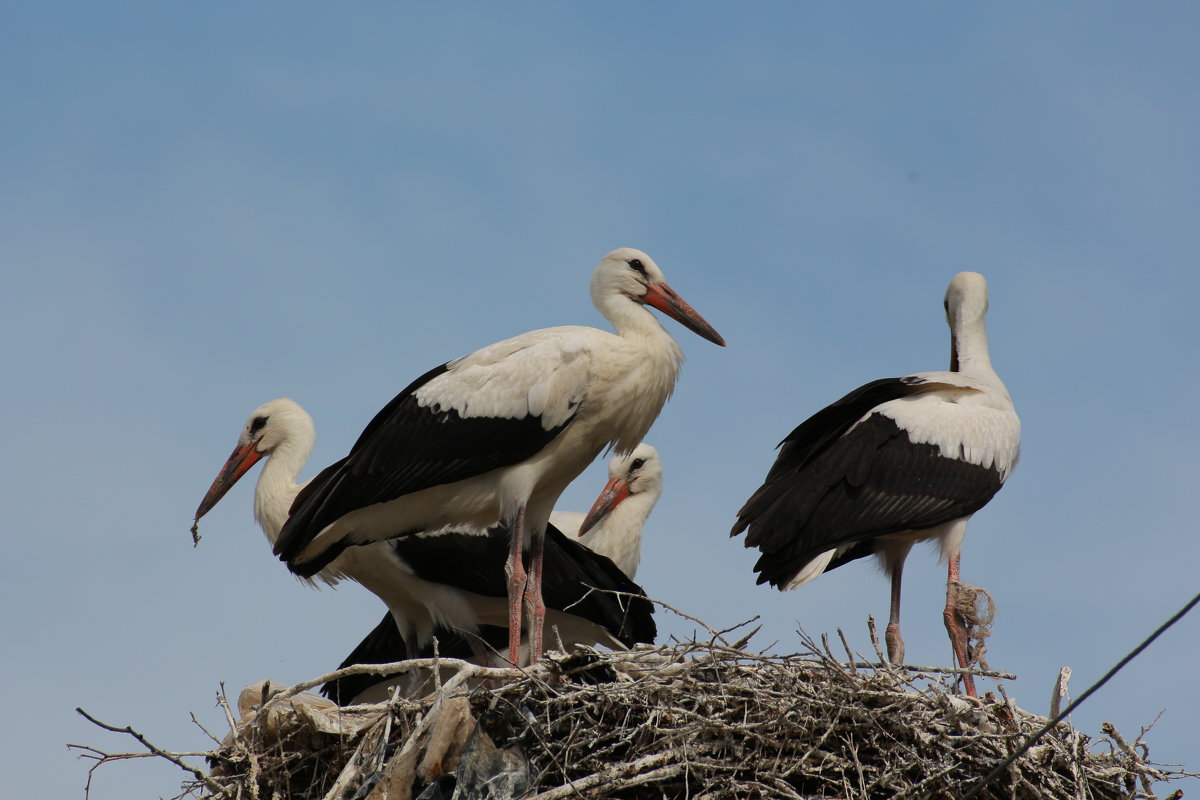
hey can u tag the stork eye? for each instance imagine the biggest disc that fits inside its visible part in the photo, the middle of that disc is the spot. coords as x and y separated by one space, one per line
638 463
257 424
637 266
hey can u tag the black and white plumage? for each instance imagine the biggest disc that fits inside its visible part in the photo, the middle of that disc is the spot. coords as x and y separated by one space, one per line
499 433
445 583
588 600
612 529
894 462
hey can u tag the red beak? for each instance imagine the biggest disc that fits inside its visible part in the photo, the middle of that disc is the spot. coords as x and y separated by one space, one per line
243 458
664 298
614 492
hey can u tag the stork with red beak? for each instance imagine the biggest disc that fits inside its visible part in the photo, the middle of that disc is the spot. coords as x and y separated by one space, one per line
591 590
499 433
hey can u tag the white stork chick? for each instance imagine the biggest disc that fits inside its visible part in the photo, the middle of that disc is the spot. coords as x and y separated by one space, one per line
499 433
894 462
613 526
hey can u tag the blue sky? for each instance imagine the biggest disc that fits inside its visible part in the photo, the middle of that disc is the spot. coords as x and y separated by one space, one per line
203 208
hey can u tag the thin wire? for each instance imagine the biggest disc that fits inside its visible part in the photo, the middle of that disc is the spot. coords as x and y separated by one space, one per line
1063 715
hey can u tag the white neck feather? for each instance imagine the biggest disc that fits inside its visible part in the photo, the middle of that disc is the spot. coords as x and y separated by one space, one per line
969 338
630 318
277 486
643 372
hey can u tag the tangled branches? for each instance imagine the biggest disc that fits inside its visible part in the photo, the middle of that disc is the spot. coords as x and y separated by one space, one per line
692 720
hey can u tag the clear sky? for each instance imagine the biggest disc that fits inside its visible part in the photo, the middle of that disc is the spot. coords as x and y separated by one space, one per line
203 207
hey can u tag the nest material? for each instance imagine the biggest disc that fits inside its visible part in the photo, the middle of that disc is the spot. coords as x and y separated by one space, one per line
689 721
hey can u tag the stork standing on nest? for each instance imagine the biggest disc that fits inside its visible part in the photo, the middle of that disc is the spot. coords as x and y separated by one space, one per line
894 462
499 433
612 530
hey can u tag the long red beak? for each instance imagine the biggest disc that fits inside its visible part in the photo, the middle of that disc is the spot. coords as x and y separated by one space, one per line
243 458
614 492
664 298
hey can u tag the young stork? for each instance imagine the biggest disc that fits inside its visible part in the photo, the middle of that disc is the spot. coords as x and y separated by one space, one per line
894 462
612 530
499 433
613 526
443 583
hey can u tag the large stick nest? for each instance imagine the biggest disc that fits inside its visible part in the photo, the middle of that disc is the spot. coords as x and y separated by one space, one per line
686 721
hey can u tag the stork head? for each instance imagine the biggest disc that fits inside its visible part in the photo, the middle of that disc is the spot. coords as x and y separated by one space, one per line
966 306
269 427
627 274
966 297
638 472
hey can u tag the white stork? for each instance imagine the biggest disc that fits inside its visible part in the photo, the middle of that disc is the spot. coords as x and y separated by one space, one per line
443 583
613 526
613 532
282 432
894 462
499 433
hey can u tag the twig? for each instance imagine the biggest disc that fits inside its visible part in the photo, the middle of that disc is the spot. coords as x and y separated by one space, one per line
223 702
849 655
172 757
465 670
1006 676
200 725
716 635
1111 730
741 643
875 639
1060 691
604 776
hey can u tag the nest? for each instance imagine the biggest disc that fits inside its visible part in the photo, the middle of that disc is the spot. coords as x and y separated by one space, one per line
692 720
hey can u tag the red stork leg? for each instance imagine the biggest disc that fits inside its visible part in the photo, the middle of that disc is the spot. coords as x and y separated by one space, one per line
891 635
533 596
514 569
955 626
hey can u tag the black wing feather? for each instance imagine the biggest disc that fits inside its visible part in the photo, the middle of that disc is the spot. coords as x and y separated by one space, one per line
474 562
812 437
836 484
404 449
384 645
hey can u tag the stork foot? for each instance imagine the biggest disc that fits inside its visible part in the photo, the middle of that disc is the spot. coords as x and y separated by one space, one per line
957 629
537 621
514 631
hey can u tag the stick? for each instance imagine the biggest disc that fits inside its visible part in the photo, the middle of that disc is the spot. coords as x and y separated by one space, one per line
200 776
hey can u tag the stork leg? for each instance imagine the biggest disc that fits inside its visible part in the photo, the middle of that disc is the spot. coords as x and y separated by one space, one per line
955 625
533 596
891 635
514 569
